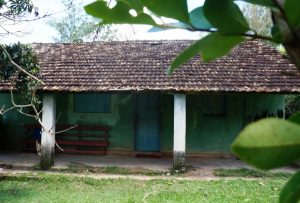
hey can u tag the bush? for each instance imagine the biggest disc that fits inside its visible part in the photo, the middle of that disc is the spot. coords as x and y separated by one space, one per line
292 105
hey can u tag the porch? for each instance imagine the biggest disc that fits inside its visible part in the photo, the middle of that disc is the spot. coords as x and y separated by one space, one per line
198 168
151 123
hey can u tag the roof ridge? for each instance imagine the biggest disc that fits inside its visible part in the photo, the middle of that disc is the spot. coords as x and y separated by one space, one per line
119 42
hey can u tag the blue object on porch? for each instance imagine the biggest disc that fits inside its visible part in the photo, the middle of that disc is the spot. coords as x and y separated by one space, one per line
37 134
147 123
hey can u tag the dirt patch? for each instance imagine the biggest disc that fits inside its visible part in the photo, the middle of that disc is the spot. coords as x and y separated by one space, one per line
118 172
80 168
200 173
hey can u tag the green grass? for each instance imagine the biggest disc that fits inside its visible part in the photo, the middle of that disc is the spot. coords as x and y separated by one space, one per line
250 173
41 188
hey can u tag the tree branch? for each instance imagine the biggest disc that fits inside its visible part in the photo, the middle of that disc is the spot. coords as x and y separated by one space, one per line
277 4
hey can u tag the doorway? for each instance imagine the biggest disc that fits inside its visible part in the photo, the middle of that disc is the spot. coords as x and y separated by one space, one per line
147 134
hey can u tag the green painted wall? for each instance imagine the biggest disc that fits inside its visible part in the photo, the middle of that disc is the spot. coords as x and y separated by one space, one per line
121 118
211 132
215 131
213 121
12 134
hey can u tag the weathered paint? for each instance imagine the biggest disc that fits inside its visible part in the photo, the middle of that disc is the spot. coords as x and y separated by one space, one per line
179 161
205 133
179 132
48 132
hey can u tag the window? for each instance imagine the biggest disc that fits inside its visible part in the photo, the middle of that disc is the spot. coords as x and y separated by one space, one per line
92 103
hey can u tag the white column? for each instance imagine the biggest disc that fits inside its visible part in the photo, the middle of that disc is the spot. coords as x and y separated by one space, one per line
48 135
179 132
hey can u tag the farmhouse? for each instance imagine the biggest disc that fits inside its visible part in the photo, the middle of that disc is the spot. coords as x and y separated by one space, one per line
197 111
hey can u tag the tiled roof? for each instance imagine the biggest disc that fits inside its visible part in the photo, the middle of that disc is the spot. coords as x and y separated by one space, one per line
141 65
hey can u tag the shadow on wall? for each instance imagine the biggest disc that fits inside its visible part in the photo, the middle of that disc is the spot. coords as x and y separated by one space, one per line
2 133
265 114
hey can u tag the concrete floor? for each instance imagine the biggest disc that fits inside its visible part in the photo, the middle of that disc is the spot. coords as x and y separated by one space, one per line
158 164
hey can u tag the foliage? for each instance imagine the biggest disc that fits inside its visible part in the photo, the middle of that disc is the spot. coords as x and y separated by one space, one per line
292 105
290 192
10 12
267 138
271 143
17 7
268 143
14 11
259 18
79 27
24 57
12 56
40 187
223 17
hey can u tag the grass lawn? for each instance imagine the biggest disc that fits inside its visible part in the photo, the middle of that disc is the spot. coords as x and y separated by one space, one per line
42 187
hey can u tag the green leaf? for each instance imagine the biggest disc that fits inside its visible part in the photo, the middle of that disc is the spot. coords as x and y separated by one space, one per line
176 9
295 118
292 11
276 34
226 16
291 191
267 3
135 4
198 19
216 45
168 26
184 56
268 143
211 47
119 14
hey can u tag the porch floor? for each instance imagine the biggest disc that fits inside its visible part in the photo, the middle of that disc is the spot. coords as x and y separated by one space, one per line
156 164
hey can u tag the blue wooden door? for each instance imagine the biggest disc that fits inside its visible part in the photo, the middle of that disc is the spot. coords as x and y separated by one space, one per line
147 123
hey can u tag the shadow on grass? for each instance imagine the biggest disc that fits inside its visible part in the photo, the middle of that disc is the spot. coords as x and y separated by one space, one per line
12 188
250 173
13 193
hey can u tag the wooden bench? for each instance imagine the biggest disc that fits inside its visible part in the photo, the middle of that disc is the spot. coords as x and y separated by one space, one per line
82 139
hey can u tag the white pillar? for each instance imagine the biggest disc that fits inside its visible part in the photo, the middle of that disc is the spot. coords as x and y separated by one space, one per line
48 136
179 132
